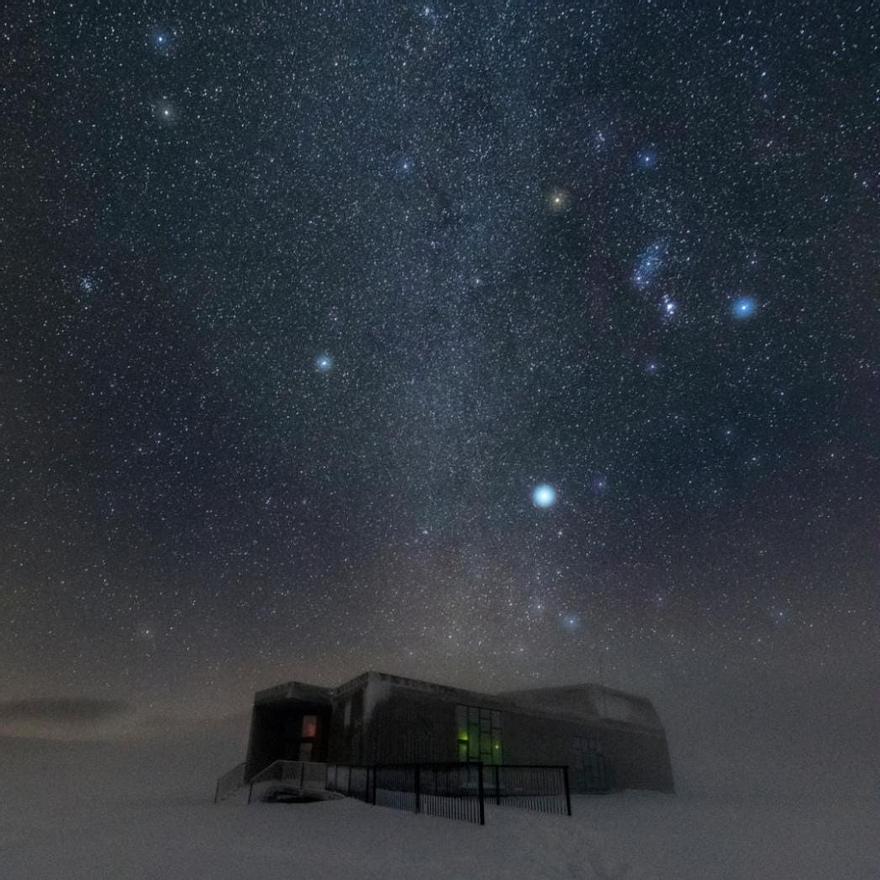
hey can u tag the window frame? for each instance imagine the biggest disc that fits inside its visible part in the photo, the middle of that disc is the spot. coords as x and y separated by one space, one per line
479 734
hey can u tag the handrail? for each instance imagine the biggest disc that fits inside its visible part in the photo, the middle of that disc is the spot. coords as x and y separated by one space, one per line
282 770
229 782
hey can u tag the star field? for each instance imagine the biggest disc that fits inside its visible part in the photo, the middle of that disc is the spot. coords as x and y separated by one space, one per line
491 343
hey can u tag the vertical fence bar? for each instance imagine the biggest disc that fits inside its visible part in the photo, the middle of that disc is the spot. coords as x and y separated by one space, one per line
481 793
567 790
417 785
497 787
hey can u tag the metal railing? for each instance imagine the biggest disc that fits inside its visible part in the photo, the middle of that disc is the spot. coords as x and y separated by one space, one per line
451 791
230 782
352 780
301 774
539 787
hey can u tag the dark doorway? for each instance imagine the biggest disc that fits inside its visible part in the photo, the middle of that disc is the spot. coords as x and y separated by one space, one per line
286 731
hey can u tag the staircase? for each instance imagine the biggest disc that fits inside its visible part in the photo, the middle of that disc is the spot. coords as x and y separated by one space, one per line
303 775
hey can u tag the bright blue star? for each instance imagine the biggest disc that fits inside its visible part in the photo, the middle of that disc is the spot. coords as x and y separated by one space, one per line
570 622
646 159
162 40
744 307
165 112
404 166
324 363
544 495
668 306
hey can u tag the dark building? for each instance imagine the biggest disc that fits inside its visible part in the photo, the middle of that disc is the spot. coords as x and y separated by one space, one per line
607 738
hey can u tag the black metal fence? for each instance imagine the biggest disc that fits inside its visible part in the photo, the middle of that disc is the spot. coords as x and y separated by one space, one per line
353 781
457 790
451 791
538 787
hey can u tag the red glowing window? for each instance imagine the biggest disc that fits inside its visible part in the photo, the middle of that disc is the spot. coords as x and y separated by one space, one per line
310 726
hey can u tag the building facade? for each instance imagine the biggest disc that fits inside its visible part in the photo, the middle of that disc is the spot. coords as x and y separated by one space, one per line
609 739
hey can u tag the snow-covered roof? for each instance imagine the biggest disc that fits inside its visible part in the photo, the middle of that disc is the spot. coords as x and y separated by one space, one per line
582 702
294 690
589 702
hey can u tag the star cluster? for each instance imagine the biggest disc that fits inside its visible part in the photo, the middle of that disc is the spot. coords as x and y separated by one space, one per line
493 343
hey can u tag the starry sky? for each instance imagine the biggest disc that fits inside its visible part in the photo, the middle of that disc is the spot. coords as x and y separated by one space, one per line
497 343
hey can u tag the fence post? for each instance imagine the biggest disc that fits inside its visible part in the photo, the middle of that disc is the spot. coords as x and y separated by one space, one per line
374 785
418 792
481 795
250 792
217 791
567 791
497 787
302 775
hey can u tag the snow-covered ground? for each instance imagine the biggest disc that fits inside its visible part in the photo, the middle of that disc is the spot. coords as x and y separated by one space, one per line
72 811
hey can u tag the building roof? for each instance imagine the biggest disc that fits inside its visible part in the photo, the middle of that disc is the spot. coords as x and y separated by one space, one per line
589 702
579 702
295 690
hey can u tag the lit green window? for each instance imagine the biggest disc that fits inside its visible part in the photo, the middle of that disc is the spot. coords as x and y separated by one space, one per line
479 734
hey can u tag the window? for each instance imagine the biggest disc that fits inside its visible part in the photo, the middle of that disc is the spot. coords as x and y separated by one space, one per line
479 734
308 737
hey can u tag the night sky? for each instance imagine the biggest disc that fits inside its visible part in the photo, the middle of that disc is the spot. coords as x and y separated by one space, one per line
498 343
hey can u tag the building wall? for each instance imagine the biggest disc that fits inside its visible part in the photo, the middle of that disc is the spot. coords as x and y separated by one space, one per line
378 721
276 733
637 758
403 727
640 759
408 726
346 735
